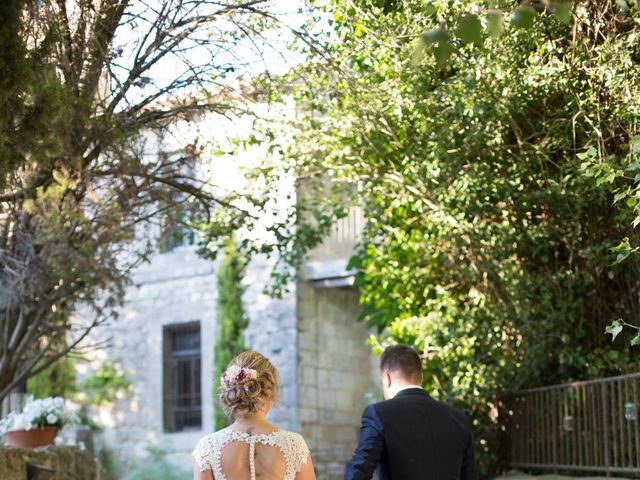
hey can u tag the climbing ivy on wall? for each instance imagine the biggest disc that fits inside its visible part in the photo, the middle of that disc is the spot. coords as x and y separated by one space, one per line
232 319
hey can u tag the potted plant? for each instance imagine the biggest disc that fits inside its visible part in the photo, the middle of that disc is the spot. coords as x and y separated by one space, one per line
38 423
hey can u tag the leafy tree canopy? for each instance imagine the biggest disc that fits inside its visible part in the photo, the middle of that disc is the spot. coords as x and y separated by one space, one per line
91 159
492 147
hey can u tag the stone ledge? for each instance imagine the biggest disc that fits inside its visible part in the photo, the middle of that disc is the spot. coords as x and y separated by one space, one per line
318 270
68 463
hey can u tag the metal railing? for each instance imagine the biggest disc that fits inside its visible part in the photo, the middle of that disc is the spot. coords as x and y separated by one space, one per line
584 426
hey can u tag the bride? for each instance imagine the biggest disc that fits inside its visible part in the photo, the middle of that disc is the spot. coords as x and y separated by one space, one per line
251 447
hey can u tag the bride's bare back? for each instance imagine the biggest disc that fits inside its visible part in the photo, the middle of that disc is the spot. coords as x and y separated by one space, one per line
269 462
234 455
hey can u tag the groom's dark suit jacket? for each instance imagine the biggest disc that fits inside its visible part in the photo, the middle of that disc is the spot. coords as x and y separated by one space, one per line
413 437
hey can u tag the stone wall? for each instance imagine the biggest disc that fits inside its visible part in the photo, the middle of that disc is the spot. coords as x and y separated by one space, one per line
311 335
334 374
68 463
272 331
175 287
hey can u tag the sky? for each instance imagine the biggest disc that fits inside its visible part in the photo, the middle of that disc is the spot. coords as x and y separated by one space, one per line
209 47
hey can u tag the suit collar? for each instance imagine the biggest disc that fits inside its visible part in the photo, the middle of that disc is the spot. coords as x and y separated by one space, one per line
411 391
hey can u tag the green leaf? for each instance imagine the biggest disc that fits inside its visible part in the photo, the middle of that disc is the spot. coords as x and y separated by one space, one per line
470 29
355 263
623 249
441 42
495 24
434 36
442 52
635 341
635 144
619 196
430 9
623 245
614 330
621 257
589 153
523 17
562 12
418 53
367 312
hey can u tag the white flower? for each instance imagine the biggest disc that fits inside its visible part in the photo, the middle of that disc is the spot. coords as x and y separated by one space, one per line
232 371
46 411
21 422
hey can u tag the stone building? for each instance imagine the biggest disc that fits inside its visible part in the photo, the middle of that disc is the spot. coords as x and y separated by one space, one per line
164 342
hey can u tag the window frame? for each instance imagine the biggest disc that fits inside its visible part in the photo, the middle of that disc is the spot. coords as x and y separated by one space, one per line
171 357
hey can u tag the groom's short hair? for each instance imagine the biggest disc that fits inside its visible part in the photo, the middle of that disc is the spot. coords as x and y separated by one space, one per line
404 360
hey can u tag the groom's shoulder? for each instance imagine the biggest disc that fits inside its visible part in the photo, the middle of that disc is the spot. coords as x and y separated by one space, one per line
402 403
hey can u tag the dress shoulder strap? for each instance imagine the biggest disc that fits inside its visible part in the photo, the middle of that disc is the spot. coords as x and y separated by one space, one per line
204 453
296 452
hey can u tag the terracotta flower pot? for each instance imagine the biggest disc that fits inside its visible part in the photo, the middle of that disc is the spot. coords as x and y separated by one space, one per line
37 437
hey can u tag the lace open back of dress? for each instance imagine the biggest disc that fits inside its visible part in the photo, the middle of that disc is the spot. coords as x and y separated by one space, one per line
238 458
233 455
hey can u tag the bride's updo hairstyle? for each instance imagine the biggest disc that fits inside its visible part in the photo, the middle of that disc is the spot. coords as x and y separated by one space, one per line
249 381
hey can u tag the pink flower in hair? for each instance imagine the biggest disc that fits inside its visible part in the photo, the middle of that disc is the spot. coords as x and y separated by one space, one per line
235 375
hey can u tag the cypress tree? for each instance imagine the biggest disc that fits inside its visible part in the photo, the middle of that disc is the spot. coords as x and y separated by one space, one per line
232 319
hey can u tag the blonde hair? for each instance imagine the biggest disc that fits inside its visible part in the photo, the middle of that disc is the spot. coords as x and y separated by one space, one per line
249 396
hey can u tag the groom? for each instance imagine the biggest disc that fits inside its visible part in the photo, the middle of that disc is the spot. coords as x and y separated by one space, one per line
411 436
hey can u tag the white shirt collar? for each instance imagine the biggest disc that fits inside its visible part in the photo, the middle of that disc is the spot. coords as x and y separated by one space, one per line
406 387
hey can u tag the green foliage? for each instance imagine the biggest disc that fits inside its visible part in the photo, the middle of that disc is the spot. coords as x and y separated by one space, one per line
157 470
108 462
33 99
104 385
488 174
614 329
470 27
58 380
231 318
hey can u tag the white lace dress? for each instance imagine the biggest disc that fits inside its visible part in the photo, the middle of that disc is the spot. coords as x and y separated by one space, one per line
208 450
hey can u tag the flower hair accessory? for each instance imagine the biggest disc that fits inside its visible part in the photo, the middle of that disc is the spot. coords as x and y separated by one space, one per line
235 375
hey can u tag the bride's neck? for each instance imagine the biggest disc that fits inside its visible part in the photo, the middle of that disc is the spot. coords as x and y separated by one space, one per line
257 418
